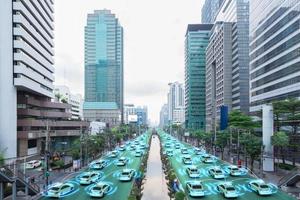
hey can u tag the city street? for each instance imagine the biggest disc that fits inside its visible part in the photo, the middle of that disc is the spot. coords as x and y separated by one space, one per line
241 182
119 190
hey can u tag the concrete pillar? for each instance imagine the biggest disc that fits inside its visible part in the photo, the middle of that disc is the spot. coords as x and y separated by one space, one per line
1 190
267 132
14 190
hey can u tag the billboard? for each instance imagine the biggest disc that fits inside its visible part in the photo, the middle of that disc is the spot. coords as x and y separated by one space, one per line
132 118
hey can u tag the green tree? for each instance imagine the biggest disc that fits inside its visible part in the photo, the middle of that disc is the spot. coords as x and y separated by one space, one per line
58 96
280 140
1 159
222 141
253 147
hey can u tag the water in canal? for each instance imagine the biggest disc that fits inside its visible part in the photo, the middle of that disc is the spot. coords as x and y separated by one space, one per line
155 186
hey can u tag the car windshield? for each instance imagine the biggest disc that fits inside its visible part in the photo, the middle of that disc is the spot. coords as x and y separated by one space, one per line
97 188
218 171
197 187
231 189
55 188
194 170
85 176
125 173
264 186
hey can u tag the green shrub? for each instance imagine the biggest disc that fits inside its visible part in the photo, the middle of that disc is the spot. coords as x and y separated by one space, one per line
285 166
179 196
59 163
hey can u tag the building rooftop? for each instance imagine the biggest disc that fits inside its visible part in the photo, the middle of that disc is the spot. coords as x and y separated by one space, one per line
198 27
100 106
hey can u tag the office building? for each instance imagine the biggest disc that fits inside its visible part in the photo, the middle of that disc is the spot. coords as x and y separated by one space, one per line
227 61
104 59
62 94
210 10
175 99
163 116
135 114
26 62
196 41
106 112
142 115
274 51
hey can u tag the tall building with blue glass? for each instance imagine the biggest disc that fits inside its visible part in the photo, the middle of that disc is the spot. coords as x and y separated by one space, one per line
196 41
103 58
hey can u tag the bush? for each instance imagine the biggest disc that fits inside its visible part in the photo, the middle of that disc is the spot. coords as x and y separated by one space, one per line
285 166
179 196
59 163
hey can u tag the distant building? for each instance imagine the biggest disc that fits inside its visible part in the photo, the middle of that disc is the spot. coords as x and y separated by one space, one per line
175 101
179 115
74 99
104 59
135 114
210 10
107 112
196 41
274 51
163 116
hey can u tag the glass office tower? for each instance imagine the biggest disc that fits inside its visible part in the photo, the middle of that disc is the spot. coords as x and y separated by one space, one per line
274 51
196 41
104 58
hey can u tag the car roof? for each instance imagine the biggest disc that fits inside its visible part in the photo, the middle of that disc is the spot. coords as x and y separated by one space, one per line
58 184
126 170
101 184
195 182
193 167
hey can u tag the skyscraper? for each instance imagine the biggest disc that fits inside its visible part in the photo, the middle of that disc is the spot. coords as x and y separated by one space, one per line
210 10
274 51
196 41
227 61
175 101
104 58
26 63
163 116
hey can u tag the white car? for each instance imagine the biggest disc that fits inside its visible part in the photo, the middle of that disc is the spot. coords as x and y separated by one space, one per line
260 187
195 188
235 171
228 190
89 177
199 151
113 154
184 150
59 189
177 146
138 153
99 190
207 158
33 164
216 172
97 164
167 145
169 152
187 160
126 175
193 171
122 148
132 147
122 161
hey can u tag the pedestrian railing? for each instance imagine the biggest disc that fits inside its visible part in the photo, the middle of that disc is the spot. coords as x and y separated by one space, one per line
291 177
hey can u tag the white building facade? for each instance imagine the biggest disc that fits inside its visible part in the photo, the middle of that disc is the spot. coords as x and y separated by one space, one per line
75 100
26 60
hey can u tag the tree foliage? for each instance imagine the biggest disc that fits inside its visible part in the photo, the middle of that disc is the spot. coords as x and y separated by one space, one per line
280 140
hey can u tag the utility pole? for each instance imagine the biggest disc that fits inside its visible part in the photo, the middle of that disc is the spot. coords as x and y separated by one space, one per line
47 154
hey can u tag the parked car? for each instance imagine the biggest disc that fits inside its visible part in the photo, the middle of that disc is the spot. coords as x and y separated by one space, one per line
193 171
228 190
126 175
195 188
260 187
216 172
33 164
99 190
58 190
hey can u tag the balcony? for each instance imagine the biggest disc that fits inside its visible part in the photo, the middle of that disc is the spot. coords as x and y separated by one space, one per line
41 134
41 113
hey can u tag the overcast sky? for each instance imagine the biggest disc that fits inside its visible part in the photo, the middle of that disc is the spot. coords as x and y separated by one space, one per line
154 33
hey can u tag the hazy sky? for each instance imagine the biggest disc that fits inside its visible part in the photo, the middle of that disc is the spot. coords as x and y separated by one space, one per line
154 33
